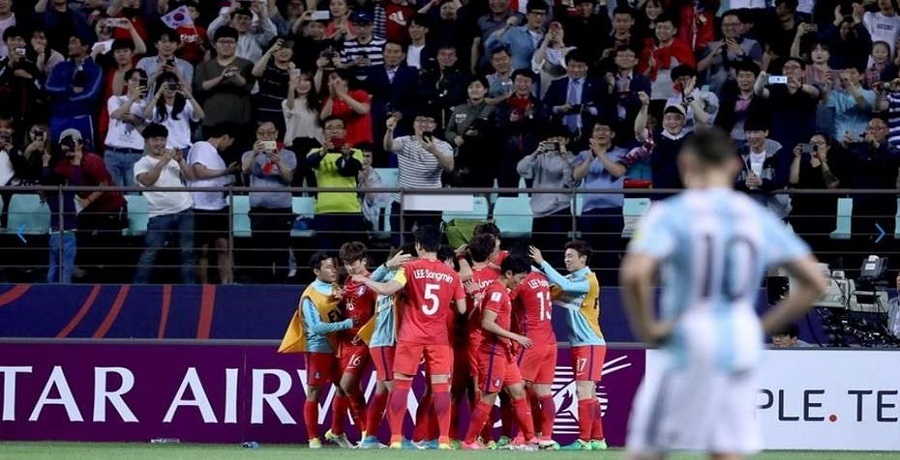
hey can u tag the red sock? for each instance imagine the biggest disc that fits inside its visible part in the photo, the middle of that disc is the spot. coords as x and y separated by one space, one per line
376 413
548 415
311 418
421 430
357 408
442 410
339 413
507 417
597 430
480 417
487 433
585 418
397 408
523 414
536 413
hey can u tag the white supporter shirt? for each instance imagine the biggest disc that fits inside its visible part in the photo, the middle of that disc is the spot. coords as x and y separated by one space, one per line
121 134
417 167
163 203
180 129
883 28
205 154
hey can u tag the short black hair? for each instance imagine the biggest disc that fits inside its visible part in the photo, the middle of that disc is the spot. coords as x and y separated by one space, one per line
525 73
711 146
429 237
318 257
664 17
226 32
332 118
172 35
576 55
481 247
15 31
155 130
790 330
582 248
489 228
221 130
130 72
422 20
352 251
682 70
480 79
446 253
747 66
624 10
122 44
516 264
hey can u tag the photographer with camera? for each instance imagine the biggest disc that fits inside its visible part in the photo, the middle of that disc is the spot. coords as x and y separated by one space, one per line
19 75
550 167
270 167
336 165
814 166
174 107
165 61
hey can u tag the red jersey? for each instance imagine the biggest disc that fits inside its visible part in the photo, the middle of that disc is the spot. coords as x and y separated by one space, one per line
499 258
358 304
431 290
496 299
482 277
532 309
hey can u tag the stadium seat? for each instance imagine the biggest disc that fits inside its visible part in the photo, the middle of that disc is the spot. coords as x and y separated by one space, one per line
632 210
897 221
138 215
479 211
240 208
305 208
27 210
383 228
388 177
844 219
513 216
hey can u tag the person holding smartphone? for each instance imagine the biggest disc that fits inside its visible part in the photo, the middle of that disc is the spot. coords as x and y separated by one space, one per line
174 107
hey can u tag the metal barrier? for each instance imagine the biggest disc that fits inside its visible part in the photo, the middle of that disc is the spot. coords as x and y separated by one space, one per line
266 246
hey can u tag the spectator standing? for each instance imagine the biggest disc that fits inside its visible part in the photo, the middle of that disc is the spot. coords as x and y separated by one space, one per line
591 20
852 105
74 87
250 41
549 59
224 85
60 22
883 25
167 44
20 78
103 214
550 167
793 105
271 170
364 50
421 161
124 143
174 107
63 225
602 167
765 168
352 106
521 41
213 217
45 57
500 14
575 100
195 38
469 131
300 109
443 87
393 88
25 162
701 106
624 85
273 73
336 165
815 167
739 102
667 141
130 11
661 54
718 60
7 20
845 39
624 33
170 213
420 54
519 123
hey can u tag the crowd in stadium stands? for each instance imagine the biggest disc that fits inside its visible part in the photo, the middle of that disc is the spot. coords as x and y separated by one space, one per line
598 94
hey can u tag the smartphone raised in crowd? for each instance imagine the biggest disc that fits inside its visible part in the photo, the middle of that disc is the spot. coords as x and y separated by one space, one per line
777 80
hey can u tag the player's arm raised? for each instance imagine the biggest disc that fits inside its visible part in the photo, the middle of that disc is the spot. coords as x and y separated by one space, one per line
489 324
810 285
567 285
636 278
387 288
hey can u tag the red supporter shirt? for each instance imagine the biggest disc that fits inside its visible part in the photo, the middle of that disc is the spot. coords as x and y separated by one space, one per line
93 172
532 305
431 290
482 277
359 126
496 299
193 40
358 305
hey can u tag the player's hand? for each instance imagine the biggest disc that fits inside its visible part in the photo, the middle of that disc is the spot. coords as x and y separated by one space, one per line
525 342
359 278
535 255
398 260
471 287
338 294
659 333
356 339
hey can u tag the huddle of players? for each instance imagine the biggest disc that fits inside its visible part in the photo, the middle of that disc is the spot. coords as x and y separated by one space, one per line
500 341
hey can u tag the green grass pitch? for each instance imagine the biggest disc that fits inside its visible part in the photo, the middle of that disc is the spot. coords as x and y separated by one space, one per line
79 451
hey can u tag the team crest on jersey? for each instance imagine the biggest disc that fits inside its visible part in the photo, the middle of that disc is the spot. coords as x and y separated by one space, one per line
567 402
361 290
317 375
497 382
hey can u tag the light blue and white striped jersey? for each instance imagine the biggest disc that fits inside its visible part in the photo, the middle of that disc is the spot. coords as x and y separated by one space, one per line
317 330
714 247
384 334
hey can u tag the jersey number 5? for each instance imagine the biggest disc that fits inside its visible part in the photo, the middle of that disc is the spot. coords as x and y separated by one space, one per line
431 291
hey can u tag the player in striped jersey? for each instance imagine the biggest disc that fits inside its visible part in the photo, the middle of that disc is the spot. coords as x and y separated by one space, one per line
381 336
579 295
712 247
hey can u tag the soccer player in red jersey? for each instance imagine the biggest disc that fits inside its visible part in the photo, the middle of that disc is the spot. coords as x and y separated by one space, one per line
498 369
430 288
531 308
358 304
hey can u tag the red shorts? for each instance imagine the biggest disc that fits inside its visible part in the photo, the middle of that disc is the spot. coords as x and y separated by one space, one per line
473 356
321 369
438 359
538 363
587 362
383 358
353 357
498 370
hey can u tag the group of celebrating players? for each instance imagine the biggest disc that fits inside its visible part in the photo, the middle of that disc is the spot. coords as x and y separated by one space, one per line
481 332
